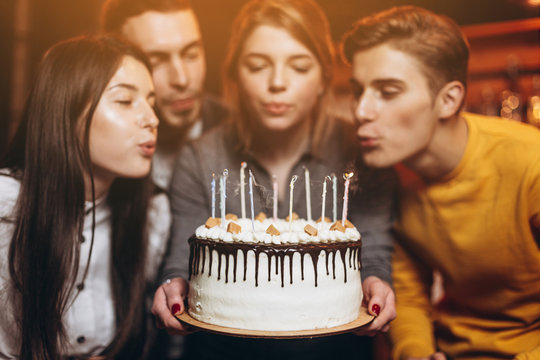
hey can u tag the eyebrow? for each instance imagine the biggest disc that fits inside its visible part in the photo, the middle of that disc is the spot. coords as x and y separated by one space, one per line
388 81
124 86
379 82
131 87
189 46
290 58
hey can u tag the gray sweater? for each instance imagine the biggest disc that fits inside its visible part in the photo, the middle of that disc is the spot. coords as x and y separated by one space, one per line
371 201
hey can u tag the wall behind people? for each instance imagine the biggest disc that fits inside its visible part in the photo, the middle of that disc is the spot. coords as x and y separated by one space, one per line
53 20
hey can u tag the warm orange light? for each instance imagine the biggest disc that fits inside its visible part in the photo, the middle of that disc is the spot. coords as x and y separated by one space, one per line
533 2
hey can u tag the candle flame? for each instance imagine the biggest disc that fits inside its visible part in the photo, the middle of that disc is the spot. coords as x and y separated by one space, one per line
347 176
293 180
225 172
243 164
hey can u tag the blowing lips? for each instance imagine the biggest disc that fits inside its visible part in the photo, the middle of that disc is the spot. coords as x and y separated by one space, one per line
181 105
368 141
147 148
276 108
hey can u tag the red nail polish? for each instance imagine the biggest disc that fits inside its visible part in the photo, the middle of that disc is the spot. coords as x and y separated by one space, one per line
175 308
376 309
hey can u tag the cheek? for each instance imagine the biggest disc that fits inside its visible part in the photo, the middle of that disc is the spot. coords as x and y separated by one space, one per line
412 129
251 88
110 139
197 72
307 91
159 78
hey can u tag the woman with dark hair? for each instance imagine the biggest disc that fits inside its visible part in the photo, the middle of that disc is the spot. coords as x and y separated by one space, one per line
277 77
79 229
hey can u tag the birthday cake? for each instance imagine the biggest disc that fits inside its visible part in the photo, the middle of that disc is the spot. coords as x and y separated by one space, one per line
275 275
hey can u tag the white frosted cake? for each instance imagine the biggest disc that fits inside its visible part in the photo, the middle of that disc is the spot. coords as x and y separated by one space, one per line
275 275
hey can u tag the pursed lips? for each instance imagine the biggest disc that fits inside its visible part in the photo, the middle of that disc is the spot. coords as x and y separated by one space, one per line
276 108
147 147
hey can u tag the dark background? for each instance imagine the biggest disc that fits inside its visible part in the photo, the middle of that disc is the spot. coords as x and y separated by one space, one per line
52 20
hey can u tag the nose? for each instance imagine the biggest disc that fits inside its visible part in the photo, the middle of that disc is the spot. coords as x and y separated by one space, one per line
277 81
149 118
364 109
178 76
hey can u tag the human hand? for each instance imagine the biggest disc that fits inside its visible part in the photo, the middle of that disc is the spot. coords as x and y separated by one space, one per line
436 356
169 300
380 300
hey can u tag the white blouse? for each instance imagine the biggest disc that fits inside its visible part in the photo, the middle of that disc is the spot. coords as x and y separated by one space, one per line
90 320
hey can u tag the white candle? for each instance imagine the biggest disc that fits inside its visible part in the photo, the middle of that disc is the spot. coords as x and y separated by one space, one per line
323 205
347 177
242 188
275 188
291 186
308 194
334 198
251 200
213 183
223 193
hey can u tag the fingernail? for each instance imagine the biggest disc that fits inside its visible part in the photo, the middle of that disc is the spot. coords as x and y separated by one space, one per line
376 309
175 308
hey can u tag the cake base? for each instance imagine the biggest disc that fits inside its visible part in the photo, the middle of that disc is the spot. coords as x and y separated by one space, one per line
363 319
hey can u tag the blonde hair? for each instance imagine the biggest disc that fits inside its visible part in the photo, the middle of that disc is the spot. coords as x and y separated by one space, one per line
305 21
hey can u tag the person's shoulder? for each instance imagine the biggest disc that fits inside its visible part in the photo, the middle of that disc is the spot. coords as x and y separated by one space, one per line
213 112
211 141
504 128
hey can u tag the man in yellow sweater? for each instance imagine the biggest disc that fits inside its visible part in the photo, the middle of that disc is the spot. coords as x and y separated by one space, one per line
470 202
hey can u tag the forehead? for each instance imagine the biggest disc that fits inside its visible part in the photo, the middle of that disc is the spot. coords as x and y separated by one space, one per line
133 73
267 39
386 62
154 30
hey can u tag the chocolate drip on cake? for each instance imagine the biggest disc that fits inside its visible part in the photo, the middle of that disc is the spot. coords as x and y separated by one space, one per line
198 248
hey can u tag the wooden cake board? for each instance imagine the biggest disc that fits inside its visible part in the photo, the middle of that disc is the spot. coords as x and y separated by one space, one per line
363 319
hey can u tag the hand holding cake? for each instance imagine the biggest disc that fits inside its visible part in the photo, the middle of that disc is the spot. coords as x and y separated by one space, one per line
380 301
169 300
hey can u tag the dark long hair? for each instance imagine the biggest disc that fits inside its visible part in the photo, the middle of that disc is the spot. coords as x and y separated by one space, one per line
44 251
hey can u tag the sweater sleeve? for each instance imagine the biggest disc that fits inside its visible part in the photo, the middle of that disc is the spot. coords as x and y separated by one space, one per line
372 212
189 210
534 354
411 332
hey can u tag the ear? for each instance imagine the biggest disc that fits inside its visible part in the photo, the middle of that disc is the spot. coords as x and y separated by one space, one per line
449 99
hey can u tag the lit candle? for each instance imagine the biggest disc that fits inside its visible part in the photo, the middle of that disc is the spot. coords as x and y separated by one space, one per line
334 198
251 200
291 186
275 188
347 177
213 195
242 188
324 198
308 194
223 193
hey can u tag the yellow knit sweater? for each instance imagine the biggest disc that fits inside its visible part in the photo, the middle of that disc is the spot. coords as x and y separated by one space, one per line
475 227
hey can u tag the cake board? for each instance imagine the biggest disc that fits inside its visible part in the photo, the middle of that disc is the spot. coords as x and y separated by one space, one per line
363 319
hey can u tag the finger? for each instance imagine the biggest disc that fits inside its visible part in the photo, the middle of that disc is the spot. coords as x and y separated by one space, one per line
163 314
175 293
438 356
